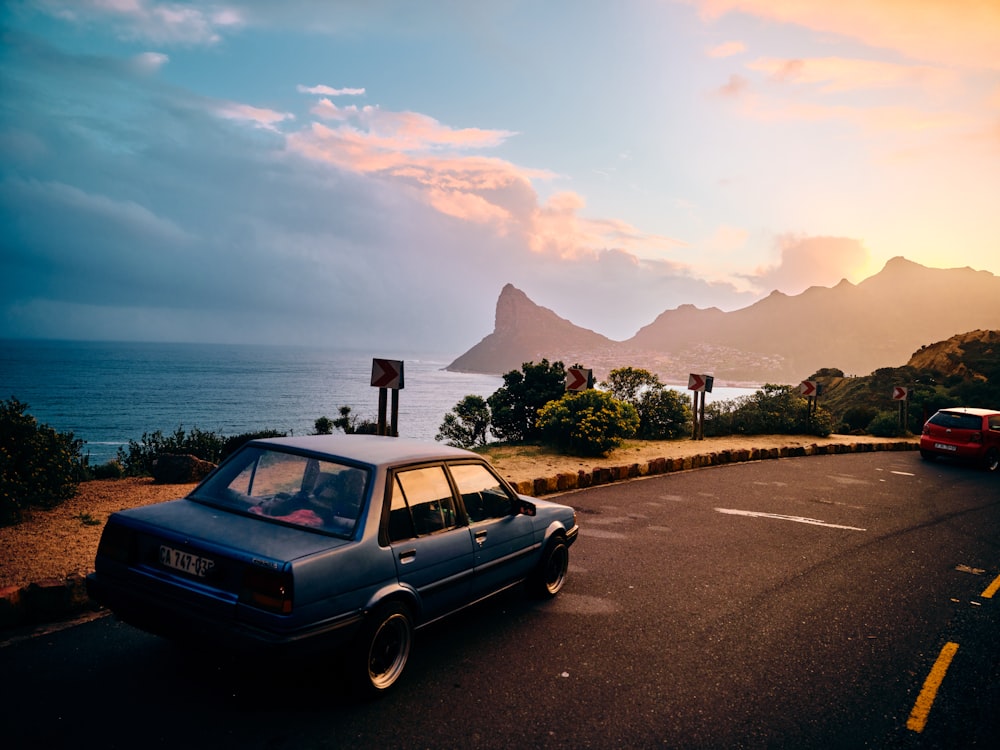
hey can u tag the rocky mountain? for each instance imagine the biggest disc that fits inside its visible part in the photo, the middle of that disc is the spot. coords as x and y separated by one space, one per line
525 332
858 328
965 355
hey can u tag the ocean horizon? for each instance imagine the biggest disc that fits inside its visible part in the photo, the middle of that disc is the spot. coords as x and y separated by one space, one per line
110 393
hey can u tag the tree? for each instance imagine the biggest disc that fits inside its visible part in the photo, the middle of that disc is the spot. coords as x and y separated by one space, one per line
628 383
514 406
323 426
467 424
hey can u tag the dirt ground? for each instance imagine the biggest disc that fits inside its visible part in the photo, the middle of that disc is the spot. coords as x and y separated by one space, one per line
57 543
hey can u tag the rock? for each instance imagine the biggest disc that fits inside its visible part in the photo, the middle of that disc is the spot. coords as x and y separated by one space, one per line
169 468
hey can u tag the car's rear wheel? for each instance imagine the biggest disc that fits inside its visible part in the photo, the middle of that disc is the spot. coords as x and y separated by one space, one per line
550 576
992 460
927 455
382 649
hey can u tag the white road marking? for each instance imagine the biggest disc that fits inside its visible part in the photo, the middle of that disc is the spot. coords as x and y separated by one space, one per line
903 473
796 519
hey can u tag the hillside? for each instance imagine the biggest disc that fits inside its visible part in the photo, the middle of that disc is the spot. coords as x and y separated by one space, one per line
858 328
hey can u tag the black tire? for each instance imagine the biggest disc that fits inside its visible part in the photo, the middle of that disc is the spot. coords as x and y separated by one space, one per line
550 576
927 455
382 649
992 460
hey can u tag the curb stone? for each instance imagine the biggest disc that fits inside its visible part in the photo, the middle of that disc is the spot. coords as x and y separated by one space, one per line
56 599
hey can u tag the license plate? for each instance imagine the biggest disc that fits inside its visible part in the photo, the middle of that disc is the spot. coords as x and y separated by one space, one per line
185 561
945 447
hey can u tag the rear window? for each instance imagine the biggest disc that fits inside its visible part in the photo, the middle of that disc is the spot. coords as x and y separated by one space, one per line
291 488
957 421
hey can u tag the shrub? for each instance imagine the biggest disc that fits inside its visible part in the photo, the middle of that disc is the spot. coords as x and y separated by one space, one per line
323 426
110 470
138 459
886 424
467 424
773 410
39 467
515 405
664 414
859 417
234 443
589 423
351 425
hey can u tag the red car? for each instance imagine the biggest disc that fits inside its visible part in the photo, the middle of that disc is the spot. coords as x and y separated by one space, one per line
963 433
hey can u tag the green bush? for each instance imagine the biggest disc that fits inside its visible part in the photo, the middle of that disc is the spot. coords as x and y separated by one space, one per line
772 410
886 424
137 460
39 467
589 423
467 424
234 443
664 414
859 417
110 470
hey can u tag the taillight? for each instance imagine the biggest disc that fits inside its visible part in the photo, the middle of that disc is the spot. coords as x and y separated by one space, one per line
976 437
117 543
268 589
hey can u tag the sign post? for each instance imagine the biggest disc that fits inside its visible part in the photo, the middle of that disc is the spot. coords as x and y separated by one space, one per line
811 390
902 395
699 384
579 379
387 375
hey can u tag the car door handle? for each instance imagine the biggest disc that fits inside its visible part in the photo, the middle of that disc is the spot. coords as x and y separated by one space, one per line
480 537
407 557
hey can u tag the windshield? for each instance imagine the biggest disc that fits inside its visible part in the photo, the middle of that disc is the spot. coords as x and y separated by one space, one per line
289 487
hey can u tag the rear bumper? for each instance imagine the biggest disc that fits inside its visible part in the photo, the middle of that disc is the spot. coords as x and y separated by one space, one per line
963 451
183 618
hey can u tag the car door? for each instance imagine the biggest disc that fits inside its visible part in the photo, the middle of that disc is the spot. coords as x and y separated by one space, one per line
503 539
430 545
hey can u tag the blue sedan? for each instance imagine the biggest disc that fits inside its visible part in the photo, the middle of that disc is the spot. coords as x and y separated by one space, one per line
330 541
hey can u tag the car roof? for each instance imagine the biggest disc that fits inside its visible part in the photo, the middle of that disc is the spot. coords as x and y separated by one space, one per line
971 410
370 449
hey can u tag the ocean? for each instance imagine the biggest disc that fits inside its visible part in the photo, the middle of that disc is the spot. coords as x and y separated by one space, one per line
108 393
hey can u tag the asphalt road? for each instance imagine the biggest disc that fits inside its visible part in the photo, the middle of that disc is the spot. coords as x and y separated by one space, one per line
806 602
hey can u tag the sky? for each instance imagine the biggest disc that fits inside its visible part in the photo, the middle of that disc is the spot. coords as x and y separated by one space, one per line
369 174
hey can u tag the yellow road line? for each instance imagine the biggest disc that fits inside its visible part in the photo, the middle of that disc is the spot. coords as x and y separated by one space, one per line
992 589
918 716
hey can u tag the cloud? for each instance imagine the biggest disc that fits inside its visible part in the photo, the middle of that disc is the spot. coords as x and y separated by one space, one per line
329 91
812 261
832 74
726 49
735 87
151 21
961 33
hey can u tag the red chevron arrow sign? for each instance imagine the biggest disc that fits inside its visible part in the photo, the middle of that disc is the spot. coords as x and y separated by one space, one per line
577 379
899 393
696 382
387 373
808 388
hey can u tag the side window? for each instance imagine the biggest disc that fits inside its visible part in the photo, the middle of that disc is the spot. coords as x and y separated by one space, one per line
995 422
482 492
421 503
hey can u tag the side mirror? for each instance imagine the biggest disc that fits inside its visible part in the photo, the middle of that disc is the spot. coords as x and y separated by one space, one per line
524 507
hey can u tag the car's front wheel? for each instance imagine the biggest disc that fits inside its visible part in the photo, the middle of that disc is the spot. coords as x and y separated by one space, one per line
992 460
382 649
551 573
